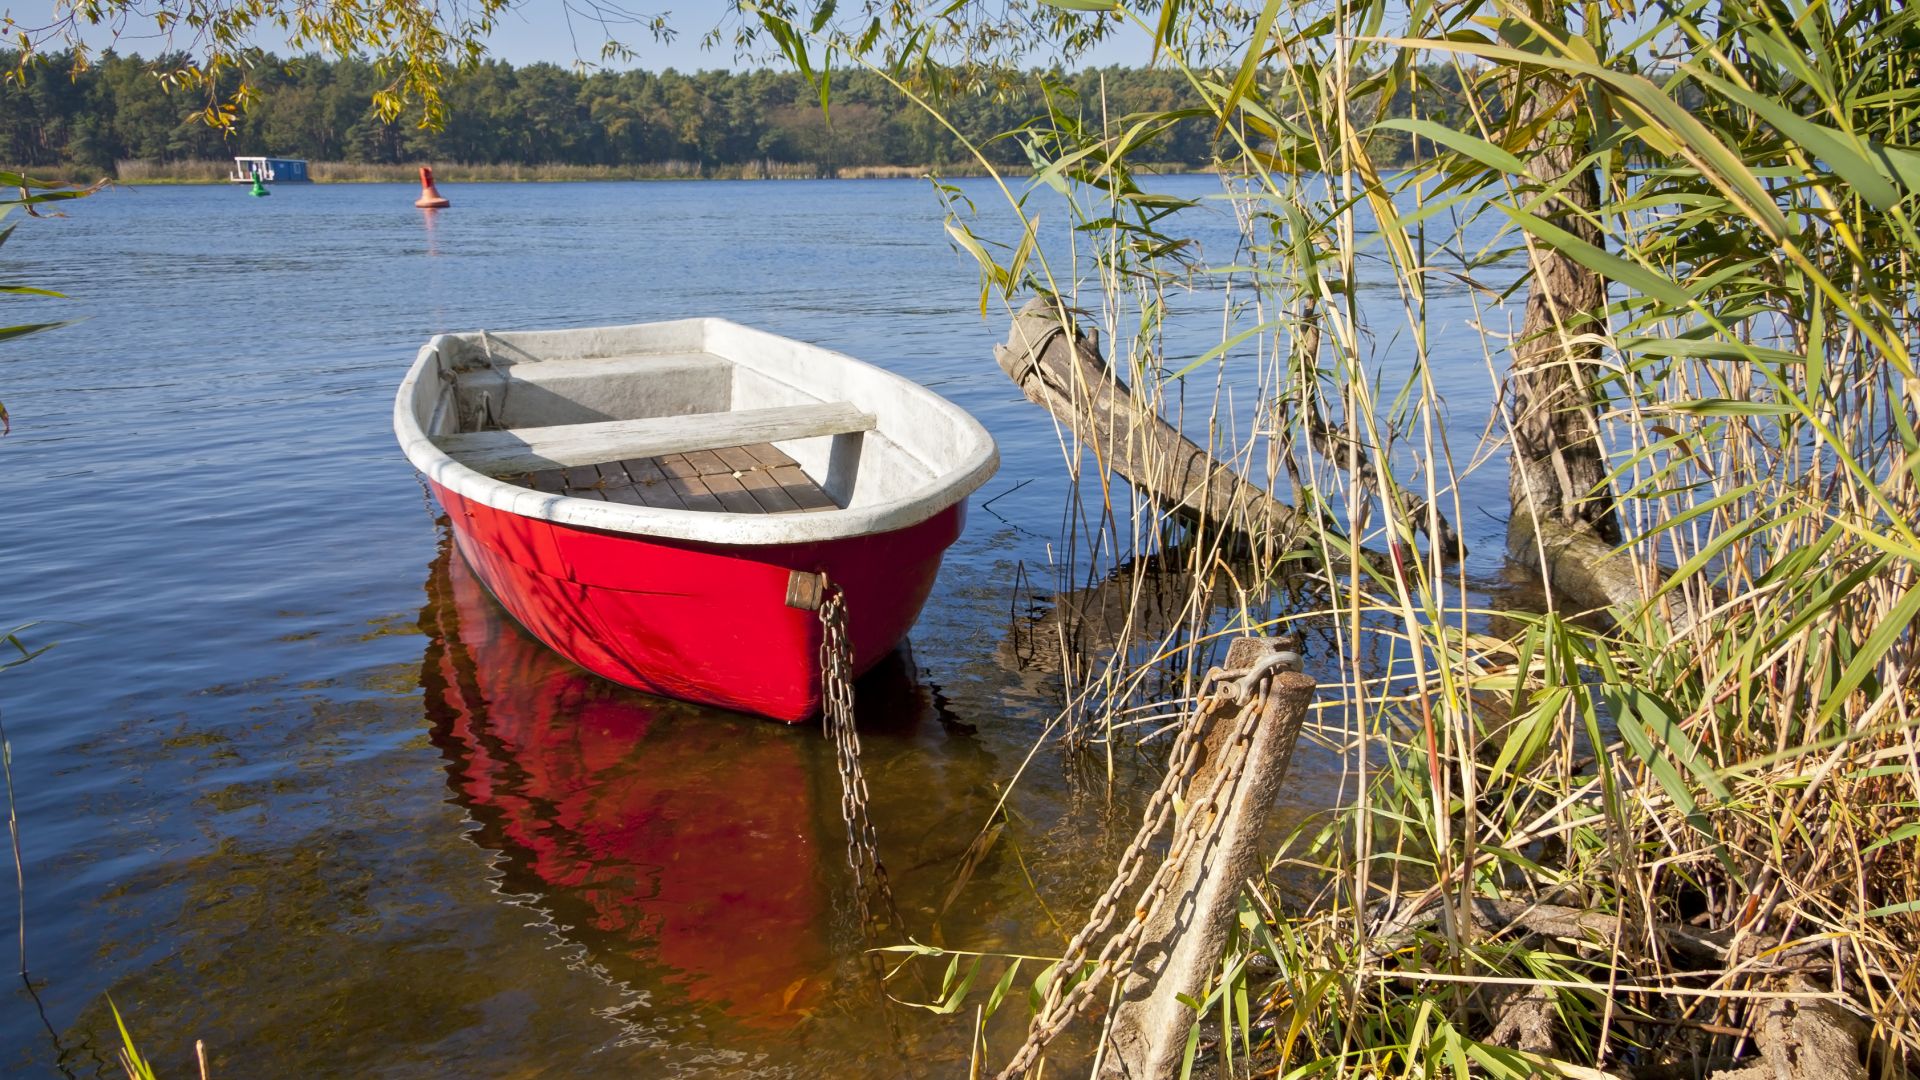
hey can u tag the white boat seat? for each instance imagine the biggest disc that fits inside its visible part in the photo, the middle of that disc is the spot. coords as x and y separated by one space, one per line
522 450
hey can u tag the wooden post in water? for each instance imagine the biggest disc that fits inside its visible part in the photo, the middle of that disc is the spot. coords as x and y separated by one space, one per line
1183 939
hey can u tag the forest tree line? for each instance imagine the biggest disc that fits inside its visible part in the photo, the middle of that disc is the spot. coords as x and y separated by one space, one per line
117 109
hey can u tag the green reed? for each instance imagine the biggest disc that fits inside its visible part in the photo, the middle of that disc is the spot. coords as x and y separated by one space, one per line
1570 840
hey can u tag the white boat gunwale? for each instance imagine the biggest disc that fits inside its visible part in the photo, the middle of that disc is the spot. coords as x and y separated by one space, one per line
894 401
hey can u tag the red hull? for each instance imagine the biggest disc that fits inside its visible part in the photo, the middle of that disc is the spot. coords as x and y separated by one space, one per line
700 622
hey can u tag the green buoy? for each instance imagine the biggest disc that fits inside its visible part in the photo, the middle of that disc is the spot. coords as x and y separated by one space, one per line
259 189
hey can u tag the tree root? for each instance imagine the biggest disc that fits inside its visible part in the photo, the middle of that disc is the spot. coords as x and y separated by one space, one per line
1804 1040
1577 565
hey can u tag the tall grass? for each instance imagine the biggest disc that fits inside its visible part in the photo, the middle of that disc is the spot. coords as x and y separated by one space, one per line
1568 841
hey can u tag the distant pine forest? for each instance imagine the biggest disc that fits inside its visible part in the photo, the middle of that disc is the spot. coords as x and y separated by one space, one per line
115 118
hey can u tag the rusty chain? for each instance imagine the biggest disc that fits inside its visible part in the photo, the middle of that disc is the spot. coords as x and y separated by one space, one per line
1199 823
836 720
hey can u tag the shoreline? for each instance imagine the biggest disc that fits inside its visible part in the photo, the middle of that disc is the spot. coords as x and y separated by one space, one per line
204 172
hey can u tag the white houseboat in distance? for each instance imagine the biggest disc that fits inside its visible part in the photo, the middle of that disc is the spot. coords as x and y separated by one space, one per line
272 170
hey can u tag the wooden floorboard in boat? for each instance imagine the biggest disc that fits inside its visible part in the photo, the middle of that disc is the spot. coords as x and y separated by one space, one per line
756 479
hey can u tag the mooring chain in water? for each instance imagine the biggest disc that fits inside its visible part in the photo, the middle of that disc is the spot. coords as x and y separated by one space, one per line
1200 822
836 717
1062 1006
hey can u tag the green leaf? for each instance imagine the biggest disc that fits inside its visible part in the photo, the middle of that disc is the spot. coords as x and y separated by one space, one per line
24 329
1220 349
1256 47
1193 1045
1163 33
1607 265
1083 5
1720 540
1904 164
1476 148
1655 719
1528 734
137 1066
1000 988
951 1004
1898 623
1708 349
1037 993
1826 144
1664 123
821 16
1905 832
1730 407
1641 718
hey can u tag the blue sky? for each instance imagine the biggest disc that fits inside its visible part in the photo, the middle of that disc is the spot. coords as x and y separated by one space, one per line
542 30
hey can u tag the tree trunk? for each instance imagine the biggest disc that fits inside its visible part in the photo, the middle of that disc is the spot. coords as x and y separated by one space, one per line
1558 471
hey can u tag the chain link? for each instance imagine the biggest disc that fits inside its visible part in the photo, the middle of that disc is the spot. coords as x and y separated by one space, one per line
836 719
1198 825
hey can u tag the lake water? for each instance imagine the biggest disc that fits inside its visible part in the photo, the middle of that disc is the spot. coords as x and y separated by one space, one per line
290 784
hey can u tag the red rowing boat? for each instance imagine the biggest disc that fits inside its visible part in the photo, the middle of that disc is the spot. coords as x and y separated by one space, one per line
644 499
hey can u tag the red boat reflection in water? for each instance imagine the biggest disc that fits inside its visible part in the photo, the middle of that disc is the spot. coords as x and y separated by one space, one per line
663 837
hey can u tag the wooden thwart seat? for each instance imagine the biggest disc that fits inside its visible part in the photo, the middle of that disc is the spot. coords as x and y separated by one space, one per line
526 450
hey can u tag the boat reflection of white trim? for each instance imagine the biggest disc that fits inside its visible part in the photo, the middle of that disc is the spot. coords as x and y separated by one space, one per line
271 170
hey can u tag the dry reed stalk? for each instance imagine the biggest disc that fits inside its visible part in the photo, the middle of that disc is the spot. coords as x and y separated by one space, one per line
1737 754
1740 752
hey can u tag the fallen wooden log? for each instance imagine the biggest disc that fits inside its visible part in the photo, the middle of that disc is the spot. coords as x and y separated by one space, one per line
1061 369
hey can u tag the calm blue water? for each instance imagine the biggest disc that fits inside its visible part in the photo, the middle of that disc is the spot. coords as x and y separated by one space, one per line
288 785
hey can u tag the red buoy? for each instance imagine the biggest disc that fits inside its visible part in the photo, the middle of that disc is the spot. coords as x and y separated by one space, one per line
430 196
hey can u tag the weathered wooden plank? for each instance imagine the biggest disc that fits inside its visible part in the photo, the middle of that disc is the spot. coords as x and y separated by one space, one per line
616 486
708 481
693 491
731 494
801 488
503 453
676 467
708 462
767 492
652 484
768 454
583 482
739 458
626 496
